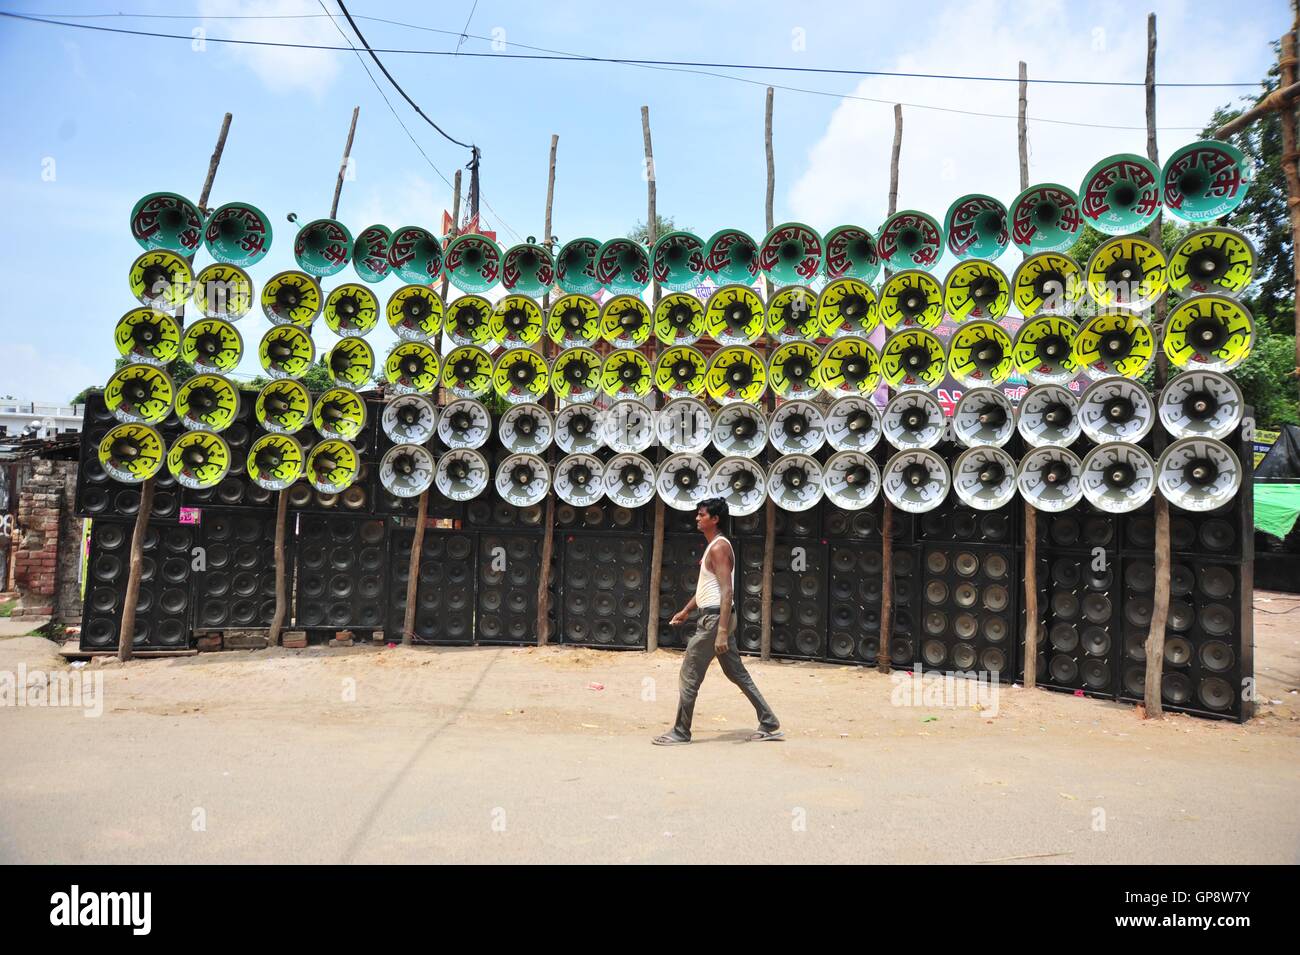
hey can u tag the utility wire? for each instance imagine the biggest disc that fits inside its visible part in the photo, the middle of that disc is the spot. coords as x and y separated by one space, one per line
464 35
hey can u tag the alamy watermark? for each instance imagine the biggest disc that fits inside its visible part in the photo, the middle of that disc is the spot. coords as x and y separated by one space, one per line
61 688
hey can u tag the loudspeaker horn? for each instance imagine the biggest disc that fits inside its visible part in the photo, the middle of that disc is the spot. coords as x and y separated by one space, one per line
238 234
461 474
1048 416
285 351
465 424
916 481
730 257
1127 272
910 240
984 477
409 419
626 373
625 322
207 403
1114 343
792 314
629 427
580 480
984 416
292 298
680 371
623 266
339 413
1215 260
161 280
741 483
516 322
629 480
1118 477
575 374
473 262
679 319
1201 404
677 261
1045 218
198 460
976 227
526 428
579 429
166 221
323 247
275 461
797 427
332 466
853 424
1198 474
521 375
848 307
734 315
1204 181
913 420
740 430
140 394
283 407
351 311
131 453
211 344
849 366
148 336
851 254
790 254
1048 283
415 255
1049 479
412 367
1116 409
913 358
795 482
575 266
736 373
911 299
574 319
223 291
414 313
684 425
469 321
852 480
794 370
1044 350
351 362
370 253
683 481
528 269
1121 194
976 289
980 353
406 470
1210 333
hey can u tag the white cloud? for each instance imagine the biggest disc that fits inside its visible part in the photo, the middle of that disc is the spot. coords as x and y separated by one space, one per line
282 70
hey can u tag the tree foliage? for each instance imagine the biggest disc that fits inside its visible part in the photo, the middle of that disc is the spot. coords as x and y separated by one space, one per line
662 227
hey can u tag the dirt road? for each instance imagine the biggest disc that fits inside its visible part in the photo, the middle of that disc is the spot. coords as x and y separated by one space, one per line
515 755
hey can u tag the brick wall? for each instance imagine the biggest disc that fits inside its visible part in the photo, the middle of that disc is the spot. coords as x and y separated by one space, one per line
49 540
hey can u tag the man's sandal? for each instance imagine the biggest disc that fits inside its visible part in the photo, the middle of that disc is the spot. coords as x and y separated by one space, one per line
765 734
668 739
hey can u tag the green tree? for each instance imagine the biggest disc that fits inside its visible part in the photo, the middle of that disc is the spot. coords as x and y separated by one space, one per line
662 227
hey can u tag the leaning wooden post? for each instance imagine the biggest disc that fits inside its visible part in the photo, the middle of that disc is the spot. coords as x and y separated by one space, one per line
282 502
657 543
126 631
887 509
548 522
1031 513
769 506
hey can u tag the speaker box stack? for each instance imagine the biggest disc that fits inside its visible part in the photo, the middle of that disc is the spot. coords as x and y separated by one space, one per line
100 496
508 575
444 595
341 573
488 510
162 619
677 580
606 588
1079 636
359 498
604 516
236 588
235 489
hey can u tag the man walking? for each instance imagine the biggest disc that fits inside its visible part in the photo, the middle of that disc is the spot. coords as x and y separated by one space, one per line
714 601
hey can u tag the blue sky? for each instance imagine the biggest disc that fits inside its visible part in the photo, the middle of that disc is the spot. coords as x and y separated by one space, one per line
94 121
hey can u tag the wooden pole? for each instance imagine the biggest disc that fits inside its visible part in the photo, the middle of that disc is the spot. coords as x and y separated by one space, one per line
1020 126
343 165
455 224
1273 102
657 542
769 506
548 523
1030 512
887 509
126 631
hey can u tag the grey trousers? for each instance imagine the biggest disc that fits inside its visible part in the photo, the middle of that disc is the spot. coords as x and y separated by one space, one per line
695 663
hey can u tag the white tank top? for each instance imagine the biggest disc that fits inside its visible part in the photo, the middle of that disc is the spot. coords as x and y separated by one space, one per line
707 592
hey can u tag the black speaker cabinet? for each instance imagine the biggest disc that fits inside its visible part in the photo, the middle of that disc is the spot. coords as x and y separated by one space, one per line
236 588
853 628
798 598
1080 529
444 594
605 516
864 525
162 619
488 510
1079 633
509 566
954 522
98 495
342 580
677 580
605 590
968 608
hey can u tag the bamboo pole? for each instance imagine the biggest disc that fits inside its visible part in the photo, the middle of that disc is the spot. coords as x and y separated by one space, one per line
657 543
548 523
769 506
887 509
1030 512
126 631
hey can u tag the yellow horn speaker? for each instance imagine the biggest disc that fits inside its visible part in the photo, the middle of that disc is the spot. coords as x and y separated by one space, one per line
351 311
1215 260
680 371
370 253
679 319
286 351
1044 350
980 353
575 266
323 247
415 254
910 240
413 367
1048 283
625 321
849 366
164 220
238 234
976 227
339 413
575 374
516 322
161 280
574 320
414 313
851 254
976 289
1127 272
283 407
1204 181
148 336
351 362
292 298
1114 343
140 394
848 307
731 256
198 460
527 269
790 254
473 263
207 403
911 299
626 373
736 373
913 358
792 314
623 266
521 375
469 321
332 466
223 291
275 461
1045 218
734 315
677 261
795 370
1209 332
131 453
211 344
467 372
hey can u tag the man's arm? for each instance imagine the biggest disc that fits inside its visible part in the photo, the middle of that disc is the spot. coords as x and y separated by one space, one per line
722 568
681 615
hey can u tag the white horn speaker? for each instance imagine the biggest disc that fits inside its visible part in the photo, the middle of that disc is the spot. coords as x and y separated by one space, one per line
1198 474
984 477
629 480
629 428
795 482
1049 479
683 481
853 424
406 470
852 480
984 416
741 483
684 425
740 430
1048 416
409 419
916 481
1116 409
913 420
523 479
526 429
580 479
461 475
465 424
797 427
1201 404
578 429
1118 477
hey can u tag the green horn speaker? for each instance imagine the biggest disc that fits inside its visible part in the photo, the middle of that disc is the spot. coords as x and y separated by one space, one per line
370 253
791 254
731 257
323 247
1121 194
528 269
415 255
851 254
976 227
1204 181
677 261
473 263
164 220
238 234
575 266
623 266
1045 218
910 240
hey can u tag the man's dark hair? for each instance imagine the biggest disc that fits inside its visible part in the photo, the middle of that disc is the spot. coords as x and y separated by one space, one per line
715 507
